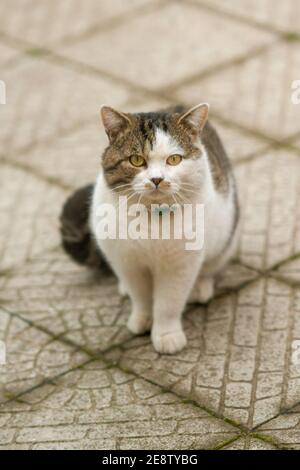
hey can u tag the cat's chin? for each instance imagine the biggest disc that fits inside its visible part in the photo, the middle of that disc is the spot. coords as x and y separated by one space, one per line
158 197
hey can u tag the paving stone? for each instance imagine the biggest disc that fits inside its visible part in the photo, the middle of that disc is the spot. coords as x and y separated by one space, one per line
124 54
80 304
32 356
249 443
269 194
291 269
235 362
71 160
29 209
297 140
68 300
281 15
233 277
7 54
285 428
46 23
118 410
244 93
49 100
239 145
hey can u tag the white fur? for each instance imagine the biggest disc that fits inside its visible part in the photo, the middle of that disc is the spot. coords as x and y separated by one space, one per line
160 275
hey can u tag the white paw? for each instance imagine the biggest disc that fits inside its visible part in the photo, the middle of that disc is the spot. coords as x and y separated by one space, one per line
169 343
203 291
138 324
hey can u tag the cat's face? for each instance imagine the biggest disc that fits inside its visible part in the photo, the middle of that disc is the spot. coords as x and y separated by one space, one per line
156 156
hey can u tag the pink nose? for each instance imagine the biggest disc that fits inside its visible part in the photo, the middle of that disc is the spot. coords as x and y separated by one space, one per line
156 181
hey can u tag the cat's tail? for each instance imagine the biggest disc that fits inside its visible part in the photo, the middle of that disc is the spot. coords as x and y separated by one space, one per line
76 236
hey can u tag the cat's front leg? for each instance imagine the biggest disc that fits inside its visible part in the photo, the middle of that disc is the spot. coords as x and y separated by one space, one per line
171 291
137 283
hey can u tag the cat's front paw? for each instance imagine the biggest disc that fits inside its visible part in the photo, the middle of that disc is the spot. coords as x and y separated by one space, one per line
138 324
169 343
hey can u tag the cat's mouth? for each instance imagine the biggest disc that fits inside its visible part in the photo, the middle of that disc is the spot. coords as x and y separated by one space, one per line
158 195
156 192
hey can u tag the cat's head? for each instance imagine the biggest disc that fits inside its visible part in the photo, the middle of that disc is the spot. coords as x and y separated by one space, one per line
154 155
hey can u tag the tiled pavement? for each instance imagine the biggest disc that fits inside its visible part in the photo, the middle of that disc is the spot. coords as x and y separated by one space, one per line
75 377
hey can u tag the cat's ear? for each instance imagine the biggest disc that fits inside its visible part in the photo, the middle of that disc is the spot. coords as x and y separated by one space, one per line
114 122
196 117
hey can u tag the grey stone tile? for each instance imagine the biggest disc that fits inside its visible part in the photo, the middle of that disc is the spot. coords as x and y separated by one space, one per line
7 54
236 359
291 269
47 23
29 209
269 191
285 428
68 300
249 443
281 15
31 358
146 50
45 99
80 304
104 408
239 145
255 94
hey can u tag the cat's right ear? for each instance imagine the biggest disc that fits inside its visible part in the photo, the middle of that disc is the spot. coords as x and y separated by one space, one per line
196 117
114 122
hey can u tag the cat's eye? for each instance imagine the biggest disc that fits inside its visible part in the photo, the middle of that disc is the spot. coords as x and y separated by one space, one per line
137 160
174 159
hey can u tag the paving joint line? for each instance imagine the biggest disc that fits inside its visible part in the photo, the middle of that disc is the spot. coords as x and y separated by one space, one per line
259 436
52 181
80 67
110 364
285 35
227 64
101 355
223 444
293 283
112 23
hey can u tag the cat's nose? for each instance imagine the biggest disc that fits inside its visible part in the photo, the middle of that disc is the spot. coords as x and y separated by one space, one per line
156 181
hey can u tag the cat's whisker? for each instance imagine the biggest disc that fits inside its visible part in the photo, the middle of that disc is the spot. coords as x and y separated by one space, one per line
139 200
122 186
184 200
190 191
189 187
176 202
125 201
128 193
184 183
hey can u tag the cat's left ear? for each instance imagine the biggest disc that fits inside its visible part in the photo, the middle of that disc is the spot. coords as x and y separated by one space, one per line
196 117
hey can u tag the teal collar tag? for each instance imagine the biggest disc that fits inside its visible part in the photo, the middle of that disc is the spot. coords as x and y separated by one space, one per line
164 210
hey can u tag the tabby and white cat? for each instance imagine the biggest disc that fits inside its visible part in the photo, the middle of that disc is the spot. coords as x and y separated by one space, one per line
158 158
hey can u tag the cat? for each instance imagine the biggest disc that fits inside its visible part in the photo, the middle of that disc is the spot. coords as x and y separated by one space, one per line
165 156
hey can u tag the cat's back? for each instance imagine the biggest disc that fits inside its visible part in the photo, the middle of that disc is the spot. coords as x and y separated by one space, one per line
219 162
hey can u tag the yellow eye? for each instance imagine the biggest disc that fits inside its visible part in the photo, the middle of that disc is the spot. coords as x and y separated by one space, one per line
137 160
174 160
